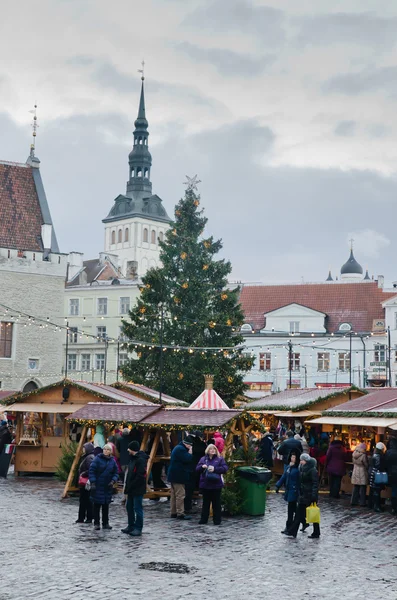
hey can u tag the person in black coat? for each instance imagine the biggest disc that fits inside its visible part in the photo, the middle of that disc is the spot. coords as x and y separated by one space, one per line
391 468
5 436
85 505
289 444
135 488
198 451
308 493
265 454
378 463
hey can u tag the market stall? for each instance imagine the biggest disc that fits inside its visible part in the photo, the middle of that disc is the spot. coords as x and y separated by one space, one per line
166 426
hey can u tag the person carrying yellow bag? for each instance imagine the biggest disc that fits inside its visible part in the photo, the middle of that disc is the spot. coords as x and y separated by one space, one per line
308 495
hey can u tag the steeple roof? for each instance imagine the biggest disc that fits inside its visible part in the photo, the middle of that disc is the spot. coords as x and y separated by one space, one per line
141 120
351 266
329 278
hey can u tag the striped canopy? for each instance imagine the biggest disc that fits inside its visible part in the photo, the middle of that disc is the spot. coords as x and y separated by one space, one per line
209 400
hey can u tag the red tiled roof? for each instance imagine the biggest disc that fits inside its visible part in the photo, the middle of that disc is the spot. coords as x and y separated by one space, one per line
186 416
114 413
5 393
356 303
295 398
378 400
20 213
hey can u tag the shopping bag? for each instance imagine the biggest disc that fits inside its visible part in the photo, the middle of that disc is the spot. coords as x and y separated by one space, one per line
381 478
313 513
83 480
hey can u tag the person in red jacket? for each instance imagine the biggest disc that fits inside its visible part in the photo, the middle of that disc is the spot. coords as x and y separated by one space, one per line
219 441
335 464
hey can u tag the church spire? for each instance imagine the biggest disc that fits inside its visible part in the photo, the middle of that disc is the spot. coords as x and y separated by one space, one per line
140 160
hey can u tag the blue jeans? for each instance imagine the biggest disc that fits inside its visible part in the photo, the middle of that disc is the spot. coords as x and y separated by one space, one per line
135 512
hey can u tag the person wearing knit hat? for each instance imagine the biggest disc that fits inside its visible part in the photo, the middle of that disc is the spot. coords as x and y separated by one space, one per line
135 488
378 465
308 493
85 504
305 457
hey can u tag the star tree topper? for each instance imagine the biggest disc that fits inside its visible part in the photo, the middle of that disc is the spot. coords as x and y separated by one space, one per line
191 183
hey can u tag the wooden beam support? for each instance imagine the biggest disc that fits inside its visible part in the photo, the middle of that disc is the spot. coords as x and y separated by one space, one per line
152 454
145 440
76 459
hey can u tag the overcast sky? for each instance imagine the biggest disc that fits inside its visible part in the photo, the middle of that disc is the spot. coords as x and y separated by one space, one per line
286 110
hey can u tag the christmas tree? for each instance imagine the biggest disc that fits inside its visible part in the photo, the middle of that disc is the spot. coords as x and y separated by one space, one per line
186 319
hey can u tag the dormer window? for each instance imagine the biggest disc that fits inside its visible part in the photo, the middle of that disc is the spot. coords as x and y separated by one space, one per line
294 326
246 328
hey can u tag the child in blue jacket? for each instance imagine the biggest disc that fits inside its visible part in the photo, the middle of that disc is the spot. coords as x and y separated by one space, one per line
290 479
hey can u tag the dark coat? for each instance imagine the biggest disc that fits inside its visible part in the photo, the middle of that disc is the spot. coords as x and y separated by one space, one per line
291 480
135 484
122 445
5 437
265 454
87 459
103 472
391 462
180 465
220 467
285 448
336 459
308 488
378 463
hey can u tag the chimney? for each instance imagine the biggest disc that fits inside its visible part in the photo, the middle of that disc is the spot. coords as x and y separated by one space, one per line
46 234
209 382
381 281
75 260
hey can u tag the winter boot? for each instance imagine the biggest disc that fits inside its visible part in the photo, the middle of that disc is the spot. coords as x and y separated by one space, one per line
376 503
394 506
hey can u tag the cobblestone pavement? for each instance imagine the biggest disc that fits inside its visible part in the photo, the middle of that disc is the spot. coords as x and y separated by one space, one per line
45 555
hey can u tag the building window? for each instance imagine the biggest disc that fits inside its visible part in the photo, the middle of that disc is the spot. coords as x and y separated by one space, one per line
33 364
265 361
123 359
161 236
323 361
153 236
73 335
295 361
120 236
5 339
86 362
294 326
126 235
74 307
124 305
344 361
145 235
395 353
122 336
113 237
101 334
72 362
102 306
99 362
380 352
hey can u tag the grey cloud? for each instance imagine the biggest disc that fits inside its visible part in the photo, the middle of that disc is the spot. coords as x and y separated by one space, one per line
227 62
345 128
365 28
378 130
368 80
242 16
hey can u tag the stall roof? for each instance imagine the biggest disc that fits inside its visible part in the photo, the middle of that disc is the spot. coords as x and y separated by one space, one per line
43 407
295 399
209 400
199 417
377 400
4 394
119 413
360 421
297 414
149 393
114 413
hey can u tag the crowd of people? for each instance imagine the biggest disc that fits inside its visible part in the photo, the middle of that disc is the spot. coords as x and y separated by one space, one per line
194 465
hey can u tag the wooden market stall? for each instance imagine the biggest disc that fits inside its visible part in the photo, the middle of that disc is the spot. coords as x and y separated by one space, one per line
369 419
164 424
41 429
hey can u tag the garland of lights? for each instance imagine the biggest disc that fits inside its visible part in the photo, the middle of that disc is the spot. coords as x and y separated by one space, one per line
309 404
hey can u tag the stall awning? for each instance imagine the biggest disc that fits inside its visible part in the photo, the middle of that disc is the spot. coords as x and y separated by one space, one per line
66 408
358 421
301 414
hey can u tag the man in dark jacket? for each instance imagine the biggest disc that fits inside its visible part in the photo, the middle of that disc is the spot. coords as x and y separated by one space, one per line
287 445
123 442
391 468
265 454
135 489
308 493
5 435
179 473
198 451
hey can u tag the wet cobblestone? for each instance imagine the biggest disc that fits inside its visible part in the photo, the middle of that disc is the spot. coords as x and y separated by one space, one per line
45 555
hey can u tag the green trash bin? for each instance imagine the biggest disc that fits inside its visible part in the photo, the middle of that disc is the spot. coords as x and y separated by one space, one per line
253 483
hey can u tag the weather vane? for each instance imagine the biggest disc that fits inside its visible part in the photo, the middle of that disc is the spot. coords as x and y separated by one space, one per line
191 183
142 71
34 127
351 243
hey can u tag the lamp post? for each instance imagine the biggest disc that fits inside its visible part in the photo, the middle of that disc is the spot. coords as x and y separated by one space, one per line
66 349
106 358
290 362
389 354
161 361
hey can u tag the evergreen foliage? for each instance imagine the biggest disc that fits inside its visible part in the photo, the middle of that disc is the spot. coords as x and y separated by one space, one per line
65 462
198 311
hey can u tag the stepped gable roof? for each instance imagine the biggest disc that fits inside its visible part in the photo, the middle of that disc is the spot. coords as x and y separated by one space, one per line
356 303
20 212
94 270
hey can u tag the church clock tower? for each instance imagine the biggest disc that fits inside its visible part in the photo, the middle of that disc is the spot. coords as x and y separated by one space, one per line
137 222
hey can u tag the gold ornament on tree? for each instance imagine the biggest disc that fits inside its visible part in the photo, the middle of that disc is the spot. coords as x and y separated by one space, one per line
178 213
185 285
174 232
142 309
196 203
205 267
230 379
228 322
180 376
207 244
183 255
176 300
224 296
